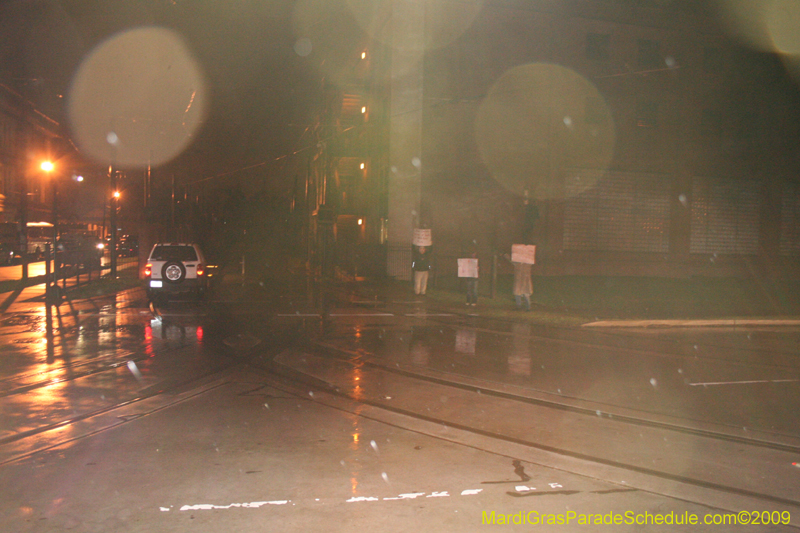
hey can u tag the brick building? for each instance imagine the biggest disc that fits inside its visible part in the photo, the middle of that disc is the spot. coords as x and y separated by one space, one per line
649 140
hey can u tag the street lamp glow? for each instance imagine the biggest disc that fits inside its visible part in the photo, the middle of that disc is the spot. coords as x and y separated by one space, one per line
47 166
116 194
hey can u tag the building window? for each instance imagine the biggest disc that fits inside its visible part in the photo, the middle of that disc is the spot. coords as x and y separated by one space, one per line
789 243
618 212
650 54
725 216
647 114
597 46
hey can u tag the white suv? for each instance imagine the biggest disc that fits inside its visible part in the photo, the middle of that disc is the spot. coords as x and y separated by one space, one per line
175 268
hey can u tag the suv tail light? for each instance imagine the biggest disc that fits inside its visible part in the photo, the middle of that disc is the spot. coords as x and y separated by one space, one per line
148 270
201 269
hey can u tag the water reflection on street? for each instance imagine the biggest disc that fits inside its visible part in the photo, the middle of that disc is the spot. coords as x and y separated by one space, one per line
64 362
649 378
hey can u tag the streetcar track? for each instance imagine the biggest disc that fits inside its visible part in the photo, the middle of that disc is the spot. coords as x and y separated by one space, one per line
83 416
118 360
301 379
594 413
66 366
661 354
674 344
587 411
72 377
637 351
122 420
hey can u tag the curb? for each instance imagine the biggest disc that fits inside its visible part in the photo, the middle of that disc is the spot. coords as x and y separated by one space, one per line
701 323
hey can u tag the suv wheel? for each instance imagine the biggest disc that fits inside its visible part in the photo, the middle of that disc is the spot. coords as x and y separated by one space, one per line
173 272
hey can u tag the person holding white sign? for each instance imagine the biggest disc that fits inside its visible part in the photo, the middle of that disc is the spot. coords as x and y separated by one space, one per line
421 265
522 257
523 286
468 269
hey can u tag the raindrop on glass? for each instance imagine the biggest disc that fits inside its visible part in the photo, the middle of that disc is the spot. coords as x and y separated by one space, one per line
302 47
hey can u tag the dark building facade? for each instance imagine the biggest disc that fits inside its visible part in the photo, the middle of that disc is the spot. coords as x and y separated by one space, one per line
27 137
623 138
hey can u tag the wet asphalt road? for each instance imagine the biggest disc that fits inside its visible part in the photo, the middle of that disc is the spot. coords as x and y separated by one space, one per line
191 377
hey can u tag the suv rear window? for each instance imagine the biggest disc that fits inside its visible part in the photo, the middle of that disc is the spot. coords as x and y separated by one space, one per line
173 253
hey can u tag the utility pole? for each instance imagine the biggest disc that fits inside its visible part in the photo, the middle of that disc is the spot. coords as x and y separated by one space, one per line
56 270
172 211
23 184
147 178
112 215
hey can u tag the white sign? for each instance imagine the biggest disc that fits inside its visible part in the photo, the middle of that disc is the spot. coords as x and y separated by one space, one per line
422 237
523 253
468 268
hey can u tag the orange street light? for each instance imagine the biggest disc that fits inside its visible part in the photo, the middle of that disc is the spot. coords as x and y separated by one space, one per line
116 194
52 290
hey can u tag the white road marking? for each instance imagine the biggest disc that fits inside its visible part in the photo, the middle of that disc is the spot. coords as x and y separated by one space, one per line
361 314
299 314
250 505
428 314
354 499
709 383
362 499
409 496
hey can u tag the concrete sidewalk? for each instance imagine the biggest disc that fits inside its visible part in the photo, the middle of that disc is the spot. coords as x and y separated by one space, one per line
371 294
502 308
32 297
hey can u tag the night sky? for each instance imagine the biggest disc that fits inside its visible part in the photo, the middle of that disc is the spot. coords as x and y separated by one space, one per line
258 82
262 64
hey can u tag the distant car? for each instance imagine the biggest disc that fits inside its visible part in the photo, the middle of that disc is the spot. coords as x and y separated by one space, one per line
128 246
77 249
7 254
175 268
